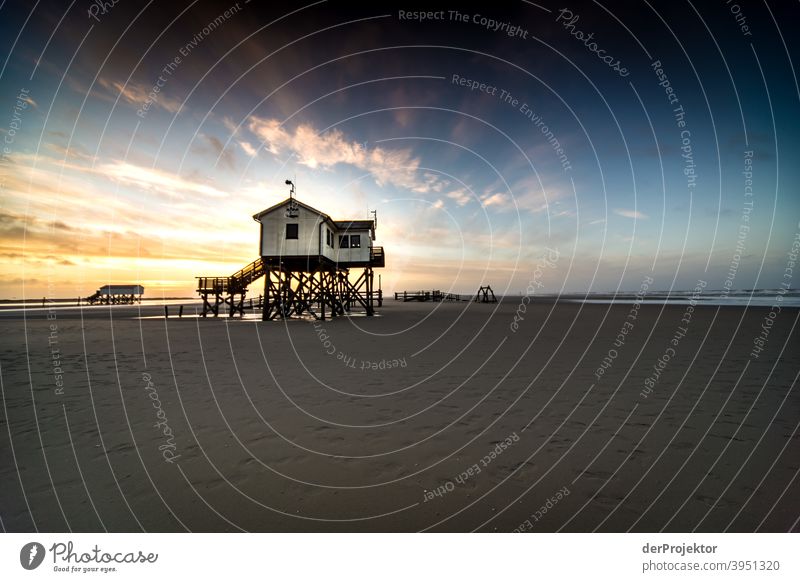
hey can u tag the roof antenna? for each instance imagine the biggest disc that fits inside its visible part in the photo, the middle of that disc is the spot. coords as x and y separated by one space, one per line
292 209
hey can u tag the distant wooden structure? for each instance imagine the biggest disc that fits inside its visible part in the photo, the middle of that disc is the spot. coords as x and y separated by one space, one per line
116 295
435 295
306 260
485 295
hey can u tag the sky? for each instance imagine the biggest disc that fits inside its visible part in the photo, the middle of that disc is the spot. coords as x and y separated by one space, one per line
537 147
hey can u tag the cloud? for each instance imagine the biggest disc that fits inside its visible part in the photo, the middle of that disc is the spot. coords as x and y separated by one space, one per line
630 213
496 199
15 226
225 157
41 185
531 194
460 196
248 149
230 125
315 150
27 99
68 221
158 180
137 95
528 201
74 152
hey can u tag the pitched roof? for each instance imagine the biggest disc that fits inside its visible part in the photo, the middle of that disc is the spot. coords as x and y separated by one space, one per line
339 224
296 201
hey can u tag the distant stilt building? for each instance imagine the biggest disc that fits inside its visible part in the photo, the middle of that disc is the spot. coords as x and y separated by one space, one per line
116 295
306 261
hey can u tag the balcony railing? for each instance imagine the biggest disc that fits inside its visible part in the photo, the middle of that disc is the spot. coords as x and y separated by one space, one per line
376 257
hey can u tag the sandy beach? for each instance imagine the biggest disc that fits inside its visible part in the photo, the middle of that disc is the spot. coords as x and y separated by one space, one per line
440 417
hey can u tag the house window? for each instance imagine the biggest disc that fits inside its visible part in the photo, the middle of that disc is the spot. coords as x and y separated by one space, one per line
344 242
291 230
329 238
355 241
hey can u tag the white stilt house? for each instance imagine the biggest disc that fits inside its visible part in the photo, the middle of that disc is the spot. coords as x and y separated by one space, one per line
305 259
293 232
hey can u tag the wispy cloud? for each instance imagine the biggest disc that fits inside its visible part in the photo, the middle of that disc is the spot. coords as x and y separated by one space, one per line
230 125
461 196
497 199
248 149
137 95
532 201
59 216
74 152
27 99
224 156
397 167
631 213
158 180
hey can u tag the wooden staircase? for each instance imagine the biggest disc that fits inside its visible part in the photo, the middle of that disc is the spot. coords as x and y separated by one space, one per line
229 290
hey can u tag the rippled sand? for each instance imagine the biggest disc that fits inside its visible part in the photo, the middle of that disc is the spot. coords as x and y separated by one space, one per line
429 416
